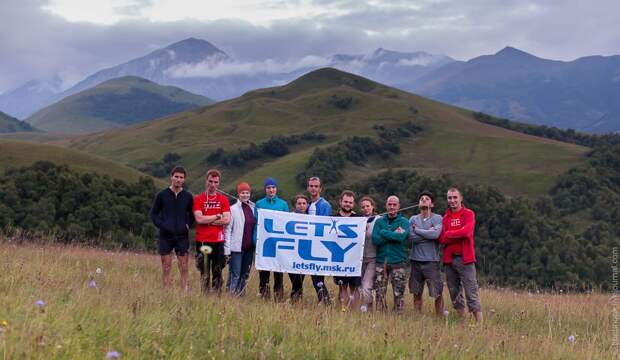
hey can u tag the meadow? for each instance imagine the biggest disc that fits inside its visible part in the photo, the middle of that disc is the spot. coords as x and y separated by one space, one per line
60 302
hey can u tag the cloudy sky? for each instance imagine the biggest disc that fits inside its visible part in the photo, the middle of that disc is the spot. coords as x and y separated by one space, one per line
74 38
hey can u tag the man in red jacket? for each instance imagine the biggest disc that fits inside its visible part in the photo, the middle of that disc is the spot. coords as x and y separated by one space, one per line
459 255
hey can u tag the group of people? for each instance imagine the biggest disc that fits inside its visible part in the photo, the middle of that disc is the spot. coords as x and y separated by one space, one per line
226 234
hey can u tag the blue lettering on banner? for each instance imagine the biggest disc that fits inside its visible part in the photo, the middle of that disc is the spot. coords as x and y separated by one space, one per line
301 228
269 248
315 267
327 245
304 247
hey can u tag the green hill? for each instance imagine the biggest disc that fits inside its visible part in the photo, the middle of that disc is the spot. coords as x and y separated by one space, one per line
114 103
338 105
15 153
9 124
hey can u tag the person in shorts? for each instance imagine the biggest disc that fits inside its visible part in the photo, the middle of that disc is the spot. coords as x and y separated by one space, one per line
172 214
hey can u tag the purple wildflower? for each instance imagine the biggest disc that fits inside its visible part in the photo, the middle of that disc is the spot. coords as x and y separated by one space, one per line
113 355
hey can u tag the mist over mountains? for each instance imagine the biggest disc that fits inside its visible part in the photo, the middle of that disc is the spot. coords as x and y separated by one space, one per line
583 94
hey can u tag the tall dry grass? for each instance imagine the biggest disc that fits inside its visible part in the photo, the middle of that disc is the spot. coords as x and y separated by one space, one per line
129 312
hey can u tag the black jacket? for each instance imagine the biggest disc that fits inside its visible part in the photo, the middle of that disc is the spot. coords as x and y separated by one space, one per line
172 214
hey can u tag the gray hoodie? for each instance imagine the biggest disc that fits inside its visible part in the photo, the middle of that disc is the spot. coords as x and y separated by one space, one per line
424 237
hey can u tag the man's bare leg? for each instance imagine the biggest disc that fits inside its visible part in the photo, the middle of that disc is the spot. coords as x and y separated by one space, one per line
354 298
417 303
478 316
166 267
183 269
343 296
439 306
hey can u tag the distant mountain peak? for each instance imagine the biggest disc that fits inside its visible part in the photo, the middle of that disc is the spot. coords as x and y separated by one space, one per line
512 52
193 43
379 52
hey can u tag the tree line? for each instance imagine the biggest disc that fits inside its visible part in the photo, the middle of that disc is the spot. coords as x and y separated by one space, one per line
551 132
275 146
46 199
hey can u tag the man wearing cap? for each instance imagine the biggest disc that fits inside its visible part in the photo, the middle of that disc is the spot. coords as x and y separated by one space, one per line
459 255
238 234
424 231
271 201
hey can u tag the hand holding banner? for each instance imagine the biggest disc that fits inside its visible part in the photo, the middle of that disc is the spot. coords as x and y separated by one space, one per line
306 244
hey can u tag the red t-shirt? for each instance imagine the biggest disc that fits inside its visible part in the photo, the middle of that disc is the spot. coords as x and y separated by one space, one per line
210 205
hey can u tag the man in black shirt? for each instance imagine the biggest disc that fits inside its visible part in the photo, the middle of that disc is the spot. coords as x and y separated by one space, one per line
172 214
348 286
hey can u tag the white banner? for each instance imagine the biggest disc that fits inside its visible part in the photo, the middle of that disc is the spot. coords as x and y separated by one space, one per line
307 244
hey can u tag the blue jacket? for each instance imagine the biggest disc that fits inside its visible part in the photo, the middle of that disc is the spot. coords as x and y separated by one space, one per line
274 203
323 207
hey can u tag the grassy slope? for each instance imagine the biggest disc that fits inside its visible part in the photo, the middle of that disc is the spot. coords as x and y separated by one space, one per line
452 141
9 124
114 103
129 313
21 153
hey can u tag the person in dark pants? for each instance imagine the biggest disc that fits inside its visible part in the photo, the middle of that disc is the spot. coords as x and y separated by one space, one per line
424 232
348 286
172 214
321 207
297 280
459 255
238 235
212 213
271 201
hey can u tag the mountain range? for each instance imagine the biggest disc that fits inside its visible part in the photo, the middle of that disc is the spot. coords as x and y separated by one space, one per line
583 94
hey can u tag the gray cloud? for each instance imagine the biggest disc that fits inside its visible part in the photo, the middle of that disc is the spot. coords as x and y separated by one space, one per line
37 44
213 67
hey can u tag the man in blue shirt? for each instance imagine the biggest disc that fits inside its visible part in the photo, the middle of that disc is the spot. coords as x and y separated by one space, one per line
271 201
321 207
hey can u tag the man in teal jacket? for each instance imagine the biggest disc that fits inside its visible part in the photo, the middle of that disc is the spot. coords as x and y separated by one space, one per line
389 236
271 201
